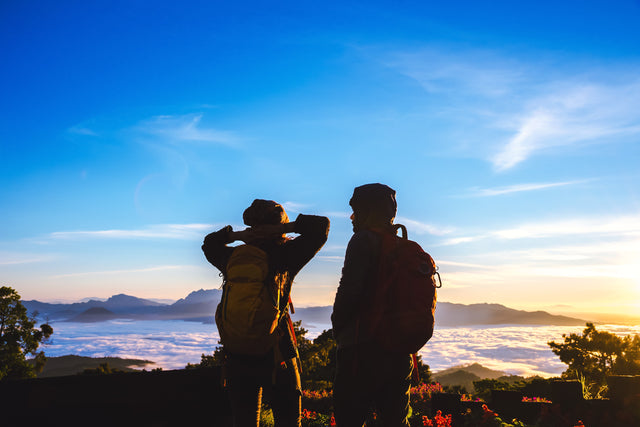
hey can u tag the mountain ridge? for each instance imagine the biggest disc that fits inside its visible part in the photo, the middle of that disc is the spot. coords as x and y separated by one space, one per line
454 314
200 306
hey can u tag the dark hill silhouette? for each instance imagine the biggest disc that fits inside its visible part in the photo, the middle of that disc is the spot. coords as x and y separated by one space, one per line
197 306
72 364
94 314
122 301
121 304
200 297
460 378
475 369
465 375
450 314
200 306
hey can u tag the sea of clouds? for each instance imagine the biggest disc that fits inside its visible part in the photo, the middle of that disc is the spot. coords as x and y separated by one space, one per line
516 349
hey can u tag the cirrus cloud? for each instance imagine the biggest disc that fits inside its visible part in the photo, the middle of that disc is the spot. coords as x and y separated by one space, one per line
163 231
524 106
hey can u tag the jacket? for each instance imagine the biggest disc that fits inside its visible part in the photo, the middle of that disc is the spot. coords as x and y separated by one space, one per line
356 288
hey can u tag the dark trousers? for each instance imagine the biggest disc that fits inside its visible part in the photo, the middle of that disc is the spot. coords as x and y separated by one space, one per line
248 379
368 378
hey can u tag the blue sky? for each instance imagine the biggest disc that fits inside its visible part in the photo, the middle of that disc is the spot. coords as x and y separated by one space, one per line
510 131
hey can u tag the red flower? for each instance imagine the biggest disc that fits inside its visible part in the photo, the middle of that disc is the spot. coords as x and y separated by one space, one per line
439 419
442 421
309 415
488 413
426 421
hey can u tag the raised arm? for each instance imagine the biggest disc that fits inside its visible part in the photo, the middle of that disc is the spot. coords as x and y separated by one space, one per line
313 231
215 248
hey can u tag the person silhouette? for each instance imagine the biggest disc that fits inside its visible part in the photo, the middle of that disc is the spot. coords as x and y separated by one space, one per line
276 372
366 375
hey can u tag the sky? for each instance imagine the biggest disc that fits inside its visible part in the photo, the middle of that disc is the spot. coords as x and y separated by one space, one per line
510 131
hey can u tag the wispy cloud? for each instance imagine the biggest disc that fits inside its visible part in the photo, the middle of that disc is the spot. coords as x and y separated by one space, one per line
518 188
584 227
455 71
422 227
186 129
129 271
626 225
573 114
593 262
452 241
463 264
15 258
337 214
164 231
331 258
539 106
295 206
82 130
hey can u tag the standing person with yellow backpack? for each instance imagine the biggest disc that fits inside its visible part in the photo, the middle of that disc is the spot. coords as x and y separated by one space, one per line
255 328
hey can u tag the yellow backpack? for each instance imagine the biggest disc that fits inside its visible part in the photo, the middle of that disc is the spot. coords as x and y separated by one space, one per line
248 313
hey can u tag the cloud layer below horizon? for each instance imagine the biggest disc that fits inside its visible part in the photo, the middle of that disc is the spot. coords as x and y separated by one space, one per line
518 350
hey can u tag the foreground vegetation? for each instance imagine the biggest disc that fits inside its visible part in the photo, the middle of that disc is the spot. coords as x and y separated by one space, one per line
19 337
591 358
594 355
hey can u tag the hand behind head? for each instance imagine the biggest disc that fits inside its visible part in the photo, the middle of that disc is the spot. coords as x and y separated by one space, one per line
263 232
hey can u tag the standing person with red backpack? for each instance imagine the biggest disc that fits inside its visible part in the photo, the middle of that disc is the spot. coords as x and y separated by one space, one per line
256 332
382 314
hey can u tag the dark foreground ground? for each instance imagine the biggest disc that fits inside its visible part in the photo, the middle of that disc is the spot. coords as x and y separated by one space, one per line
190 397
195 397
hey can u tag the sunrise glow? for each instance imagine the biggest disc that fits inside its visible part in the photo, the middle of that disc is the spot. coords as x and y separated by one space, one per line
509 132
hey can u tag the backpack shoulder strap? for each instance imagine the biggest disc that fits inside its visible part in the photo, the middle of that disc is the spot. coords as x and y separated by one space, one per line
401 227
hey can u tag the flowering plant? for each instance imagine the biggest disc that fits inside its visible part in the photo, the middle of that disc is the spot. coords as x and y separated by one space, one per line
469 398
314 419
320 401
317 394
488 414
438 421
536 399
424 391
420 397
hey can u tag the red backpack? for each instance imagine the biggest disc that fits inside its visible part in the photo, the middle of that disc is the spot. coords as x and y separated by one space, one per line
404 302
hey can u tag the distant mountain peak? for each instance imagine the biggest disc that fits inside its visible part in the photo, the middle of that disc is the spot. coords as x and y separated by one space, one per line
200 296
201 305
128 300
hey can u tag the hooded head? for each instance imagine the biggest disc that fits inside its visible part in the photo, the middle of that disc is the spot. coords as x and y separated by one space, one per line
264 212
374 205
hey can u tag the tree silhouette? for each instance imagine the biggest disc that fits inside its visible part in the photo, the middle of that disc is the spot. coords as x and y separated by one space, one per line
19 337
594 355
